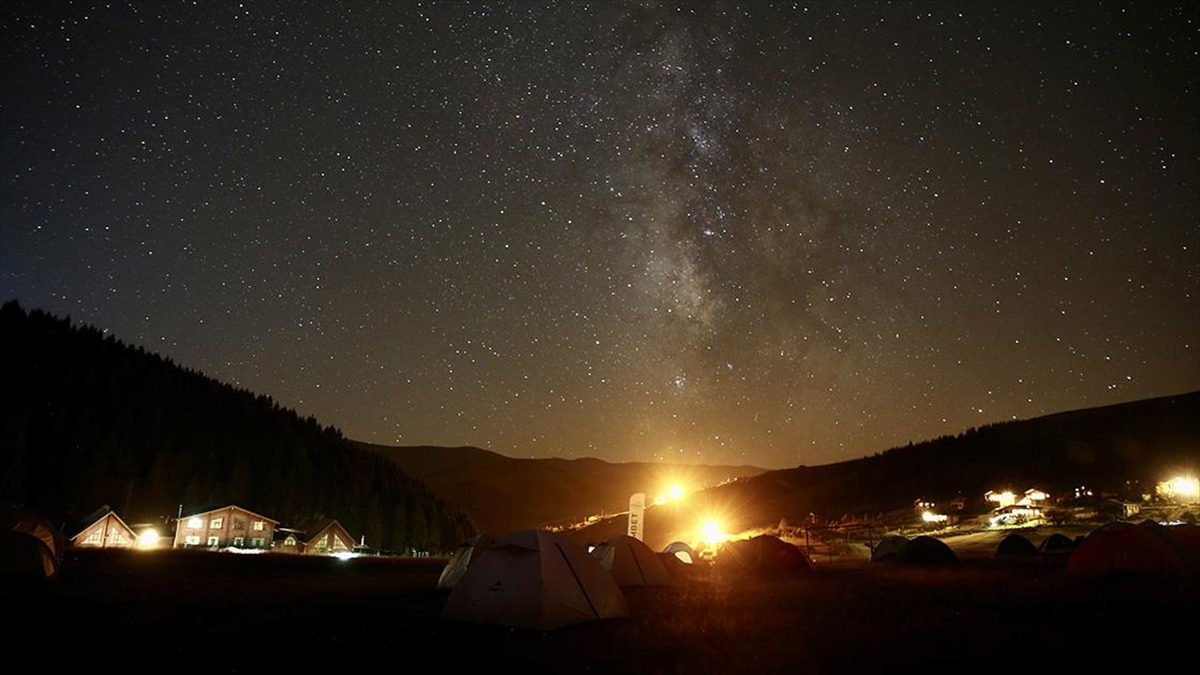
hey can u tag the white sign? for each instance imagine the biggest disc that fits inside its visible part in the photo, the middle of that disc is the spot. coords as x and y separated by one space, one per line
637 514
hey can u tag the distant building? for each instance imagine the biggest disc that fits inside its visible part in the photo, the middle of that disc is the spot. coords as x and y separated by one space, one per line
1120 508
1016 514
323 537
923 505
288 540
105 530
1033 497
1001 499
225 527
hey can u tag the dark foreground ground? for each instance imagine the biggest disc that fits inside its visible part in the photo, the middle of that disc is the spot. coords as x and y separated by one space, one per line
116 611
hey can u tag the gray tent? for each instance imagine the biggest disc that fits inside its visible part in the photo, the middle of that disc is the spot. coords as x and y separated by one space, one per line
535 579
631 563
462 559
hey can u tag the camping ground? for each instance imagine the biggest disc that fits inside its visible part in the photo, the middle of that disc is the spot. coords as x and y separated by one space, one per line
227 612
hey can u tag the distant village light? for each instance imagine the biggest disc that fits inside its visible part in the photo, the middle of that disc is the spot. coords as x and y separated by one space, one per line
931 517
1180 488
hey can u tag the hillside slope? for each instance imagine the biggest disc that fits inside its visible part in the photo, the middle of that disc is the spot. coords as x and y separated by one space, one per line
503 494
1120 448
88 420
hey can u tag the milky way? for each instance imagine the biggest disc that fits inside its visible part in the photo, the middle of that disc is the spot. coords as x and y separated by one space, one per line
775 234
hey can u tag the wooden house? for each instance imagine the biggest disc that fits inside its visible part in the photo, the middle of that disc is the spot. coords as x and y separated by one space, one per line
106 530
327 537
322 537
228 526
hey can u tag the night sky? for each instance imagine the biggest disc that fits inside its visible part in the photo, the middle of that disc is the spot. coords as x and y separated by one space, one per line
775 234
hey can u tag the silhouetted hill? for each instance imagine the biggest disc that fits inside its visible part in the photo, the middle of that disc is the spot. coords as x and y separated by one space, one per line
502 494
1140 442
88 420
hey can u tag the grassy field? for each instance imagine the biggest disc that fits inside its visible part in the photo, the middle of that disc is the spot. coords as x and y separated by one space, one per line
229 613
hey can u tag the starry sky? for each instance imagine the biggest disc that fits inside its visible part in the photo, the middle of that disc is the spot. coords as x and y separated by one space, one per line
776 234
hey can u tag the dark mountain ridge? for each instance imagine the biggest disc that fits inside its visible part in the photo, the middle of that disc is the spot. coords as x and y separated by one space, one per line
503 494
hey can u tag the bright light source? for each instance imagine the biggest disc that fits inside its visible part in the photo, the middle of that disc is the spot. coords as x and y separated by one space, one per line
711 532
931 517
675 493
1180 489
195 523
148 539
345 555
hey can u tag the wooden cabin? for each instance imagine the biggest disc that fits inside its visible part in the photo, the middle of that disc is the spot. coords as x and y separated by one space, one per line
105 531
228 526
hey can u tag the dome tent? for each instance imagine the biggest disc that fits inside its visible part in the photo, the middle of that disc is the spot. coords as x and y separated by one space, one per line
1014 545
1057 543
535 579
1146 550
927 552
681 551
23 557
631 563
35 526
458 564
764 555
889 549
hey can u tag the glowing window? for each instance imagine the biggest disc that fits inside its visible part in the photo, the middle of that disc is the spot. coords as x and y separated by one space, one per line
192 540
238 541
259 526
216 523
195 523
214 541
95 537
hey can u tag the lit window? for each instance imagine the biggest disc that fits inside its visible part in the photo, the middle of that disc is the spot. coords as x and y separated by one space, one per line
116 537
214 541
259 525
216 523
192 540
95 537
195 523
238 541
258 542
